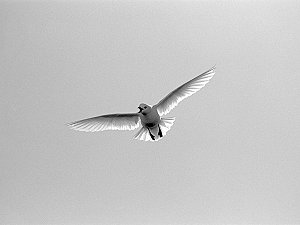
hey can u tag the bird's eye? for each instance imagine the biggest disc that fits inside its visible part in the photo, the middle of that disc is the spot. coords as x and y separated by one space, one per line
145 107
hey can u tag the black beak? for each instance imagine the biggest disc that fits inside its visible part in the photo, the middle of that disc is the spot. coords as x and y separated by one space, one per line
141 109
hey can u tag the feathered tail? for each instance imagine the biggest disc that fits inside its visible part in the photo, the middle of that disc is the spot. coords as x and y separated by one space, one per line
165 125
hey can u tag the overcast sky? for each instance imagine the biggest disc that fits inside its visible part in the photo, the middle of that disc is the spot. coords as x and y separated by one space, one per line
233 154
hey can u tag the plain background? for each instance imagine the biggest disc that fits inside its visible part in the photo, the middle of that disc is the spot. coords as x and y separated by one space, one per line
232 156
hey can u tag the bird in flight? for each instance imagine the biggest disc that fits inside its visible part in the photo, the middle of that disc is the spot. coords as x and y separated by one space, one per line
154 126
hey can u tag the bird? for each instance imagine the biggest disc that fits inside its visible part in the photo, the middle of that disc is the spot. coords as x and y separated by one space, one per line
154 125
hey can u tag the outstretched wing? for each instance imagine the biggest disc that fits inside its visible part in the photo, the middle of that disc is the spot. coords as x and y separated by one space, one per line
172 99
127 121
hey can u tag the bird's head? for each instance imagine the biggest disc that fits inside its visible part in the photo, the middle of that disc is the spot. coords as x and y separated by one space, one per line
144 108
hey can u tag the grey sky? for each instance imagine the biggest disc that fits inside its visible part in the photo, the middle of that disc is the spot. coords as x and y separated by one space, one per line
232 155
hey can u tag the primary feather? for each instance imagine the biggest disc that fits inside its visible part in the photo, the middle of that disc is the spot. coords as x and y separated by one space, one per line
127 121
173 98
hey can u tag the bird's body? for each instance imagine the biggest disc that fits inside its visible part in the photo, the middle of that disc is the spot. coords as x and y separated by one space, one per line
151 122
154 126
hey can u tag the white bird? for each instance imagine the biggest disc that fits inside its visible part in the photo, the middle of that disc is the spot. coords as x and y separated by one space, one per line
154 127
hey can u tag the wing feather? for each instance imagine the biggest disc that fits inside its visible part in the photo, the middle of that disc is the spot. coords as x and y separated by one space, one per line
173 98
126 121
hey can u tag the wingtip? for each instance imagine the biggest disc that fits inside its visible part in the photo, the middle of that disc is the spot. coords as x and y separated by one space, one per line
211 70
214 67
69 124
